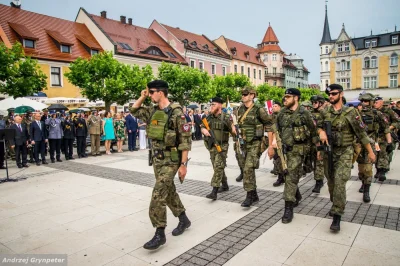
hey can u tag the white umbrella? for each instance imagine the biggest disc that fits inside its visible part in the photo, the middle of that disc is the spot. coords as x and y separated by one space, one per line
13 103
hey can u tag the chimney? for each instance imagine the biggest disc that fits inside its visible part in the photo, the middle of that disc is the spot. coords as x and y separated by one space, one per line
130 21
123 19
103 14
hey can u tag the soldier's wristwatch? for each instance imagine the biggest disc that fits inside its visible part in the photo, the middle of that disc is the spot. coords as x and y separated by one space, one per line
185 163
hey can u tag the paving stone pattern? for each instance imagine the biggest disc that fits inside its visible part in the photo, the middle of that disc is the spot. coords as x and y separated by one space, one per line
221 247
374 180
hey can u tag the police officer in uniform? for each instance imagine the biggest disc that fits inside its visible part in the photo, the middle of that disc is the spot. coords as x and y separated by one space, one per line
346 126
386 149
221 124
81 132
295 126
171 142
251 121
317 102
374 122
55 134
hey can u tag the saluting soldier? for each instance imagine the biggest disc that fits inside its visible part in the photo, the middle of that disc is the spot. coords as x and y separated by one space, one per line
221 125
386 149
171 142
251 121
296 128
69 137
346 126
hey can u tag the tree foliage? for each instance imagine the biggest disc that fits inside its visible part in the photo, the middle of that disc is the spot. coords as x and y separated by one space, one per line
102 77
20 76
230 86
266 92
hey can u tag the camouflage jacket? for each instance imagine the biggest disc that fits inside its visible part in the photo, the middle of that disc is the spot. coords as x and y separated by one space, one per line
391 116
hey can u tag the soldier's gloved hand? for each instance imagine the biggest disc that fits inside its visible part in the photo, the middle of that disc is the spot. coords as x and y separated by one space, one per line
389 148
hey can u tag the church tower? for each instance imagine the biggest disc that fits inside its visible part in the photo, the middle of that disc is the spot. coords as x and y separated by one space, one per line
326 46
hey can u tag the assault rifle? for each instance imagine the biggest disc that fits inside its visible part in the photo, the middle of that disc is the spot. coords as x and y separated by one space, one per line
282 150
328 148
211 140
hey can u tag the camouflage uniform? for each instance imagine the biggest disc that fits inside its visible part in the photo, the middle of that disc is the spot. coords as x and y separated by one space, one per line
221 125
176 137
236 148
277 160
318 165
346 125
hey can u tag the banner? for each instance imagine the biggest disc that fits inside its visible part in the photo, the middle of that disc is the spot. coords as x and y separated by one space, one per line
268 106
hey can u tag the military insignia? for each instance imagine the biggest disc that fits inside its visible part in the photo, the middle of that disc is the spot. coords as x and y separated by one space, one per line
186 127
386 120
183 117
154 122
362 125
357 117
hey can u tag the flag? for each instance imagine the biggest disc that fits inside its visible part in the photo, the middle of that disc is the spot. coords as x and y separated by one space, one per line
268 106
228 105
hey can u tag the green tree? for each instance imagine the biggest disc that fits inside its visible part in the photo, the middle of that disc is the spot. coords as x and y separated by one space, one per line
230 86
20 76
102 77
266 92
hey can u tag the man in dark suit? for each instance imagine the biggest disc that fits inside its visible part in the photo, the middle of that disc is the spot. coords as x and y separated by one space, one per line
132 128
20 142
81 132
38 134
69 136
197 120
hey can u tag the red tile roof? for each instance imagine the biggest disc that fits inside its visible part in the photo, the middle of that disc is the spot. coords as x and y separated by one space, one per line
270 48
241 49
288 63
196 42
18 23
270 35
138 38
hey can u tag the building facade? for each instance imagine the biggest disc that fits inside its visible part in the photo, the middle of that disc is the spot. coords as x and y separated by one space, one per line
198 50
245 59
301 72
363 63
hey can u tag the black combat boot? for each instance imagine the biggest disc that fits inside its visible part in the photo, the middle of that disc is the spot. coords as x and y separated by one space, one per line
318 185
224 187
382 176
213 194
288 214
240 177
361 190
158 240
366 197
249 199
183 224
335 226
279 181
255 196
298 198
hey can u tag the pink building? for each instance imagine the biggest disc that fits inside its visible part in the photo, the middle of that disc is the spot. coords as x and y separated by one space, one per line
198 50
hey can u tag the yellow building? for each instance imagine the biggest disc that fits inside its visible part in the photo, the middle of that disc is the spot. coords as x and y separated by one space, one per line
54 42
363 63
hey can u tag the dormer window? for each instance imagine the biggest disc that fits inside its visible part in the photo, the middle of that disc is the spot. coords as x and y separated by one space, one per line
94 52
374 43
194 44
367 44
347 47
205 47
153 50
395 39
65 48
29 43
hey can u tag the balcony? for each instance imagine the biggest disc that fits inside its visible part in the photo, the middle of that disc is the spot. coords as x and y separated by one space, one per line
275 75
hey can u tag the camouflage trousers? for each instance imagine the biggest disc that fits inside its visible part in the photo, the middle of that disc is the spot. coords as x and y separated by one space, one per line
277 163
251 163
382 160
239 157
164 192
308 161
365 171
318 165
342 162
218 161
295 159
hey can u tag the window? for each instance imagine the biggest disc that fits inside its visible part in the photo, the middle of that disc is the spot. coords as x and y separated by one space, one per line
213 69
274 57
248 72
394 60
367 44
395 39
347 84
298 73
65 49
326 49
274 82
366 82
94 52
259 74
366 62
235 68
125 46
326 66
340 47
201 66
373 43
223 71
373 82
192 63
29 43
266 71
55 76
242 70
347 47
321 67
393 81
265 58
254 73
170 54
274 70
348 65
373 62
153 52
344 65
298 84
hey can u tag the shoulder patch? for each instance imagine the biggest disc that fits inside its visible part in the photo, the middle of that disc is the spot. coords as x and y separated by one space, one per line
185 127
183 117
362 125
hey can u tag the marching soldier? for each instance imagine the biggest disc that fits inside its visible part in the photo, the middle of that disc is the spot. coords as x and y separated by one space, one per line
374 122
295 126
277 160
221 125
346 126
170 144
317 103
81 132
386 148
251 120
236 147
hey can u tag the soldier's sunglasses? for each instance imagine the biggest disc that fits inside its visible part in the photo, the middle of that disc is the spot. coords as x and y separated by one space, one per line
245 94
333 93
153 91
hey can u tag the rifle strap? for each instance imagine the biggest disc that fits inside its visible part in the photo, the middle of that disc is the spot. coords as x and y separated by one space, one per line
245 114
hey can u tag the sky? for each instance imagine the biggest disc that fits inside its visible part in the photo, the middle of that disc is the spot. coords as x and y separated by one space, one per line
298 24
